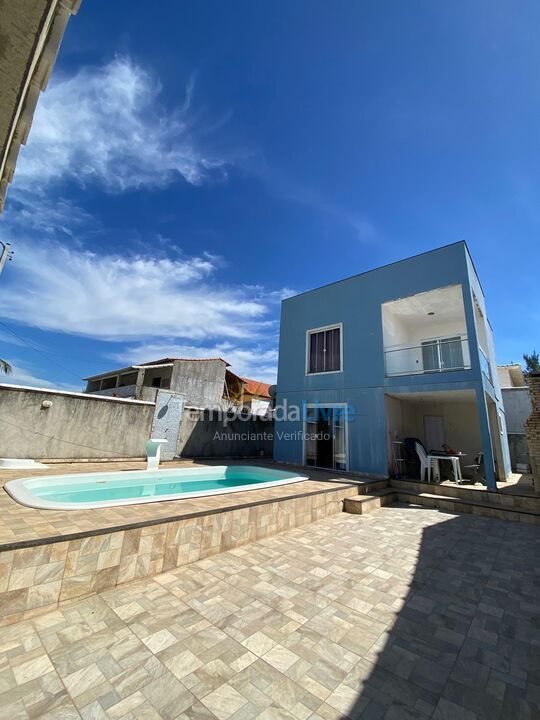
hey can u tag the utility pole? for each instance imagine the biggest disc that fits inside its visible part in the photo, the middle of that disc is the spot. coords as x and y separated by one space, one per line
5 254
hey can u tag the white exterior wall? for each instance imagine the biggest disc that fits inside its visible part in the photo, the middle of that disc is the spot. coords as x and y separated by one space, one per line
460 419
405 349
259 407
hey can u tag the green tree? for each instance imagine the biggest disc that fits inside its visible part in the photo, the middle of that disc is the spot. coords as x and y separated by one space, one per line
532 363
5 367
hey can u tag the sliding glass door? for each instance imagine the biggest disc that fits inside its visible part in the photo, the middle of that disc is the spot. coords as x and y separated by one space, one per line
325 439
442 354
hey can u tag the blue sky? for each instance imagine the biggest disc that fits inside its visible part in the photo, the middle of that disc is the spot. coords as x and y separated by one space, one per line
190 165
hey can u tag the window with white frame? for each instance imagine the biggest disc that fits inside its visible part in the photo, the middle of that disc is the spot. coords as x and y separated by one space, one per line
324 350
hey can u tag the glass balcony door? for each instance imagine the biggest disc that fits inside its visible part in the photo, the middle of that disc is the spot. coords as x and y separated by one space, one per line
325 441
442 354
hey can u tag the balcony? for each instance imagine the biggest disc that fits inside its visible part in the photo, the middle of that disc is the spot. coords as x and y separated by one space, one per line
426 333
122 391
431 356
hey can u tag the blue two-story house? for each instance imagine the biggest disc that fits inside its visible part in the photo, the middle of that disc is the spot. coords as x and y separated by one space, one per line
402 351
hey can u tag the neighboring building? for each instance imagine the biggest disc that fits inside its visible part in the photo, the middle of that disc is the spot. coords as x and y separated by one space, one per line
517 407
233 393
256 396
253 395
511 376
204 383
401 351
177 386
31 33
200 381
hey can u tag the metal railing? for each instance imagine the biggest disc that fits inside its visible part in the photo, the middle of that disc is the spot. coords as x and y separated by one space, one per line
432 356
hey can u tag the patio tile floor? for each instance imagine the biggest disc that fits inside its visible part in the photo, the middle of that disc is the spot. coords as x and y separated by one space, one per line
404 613
20 525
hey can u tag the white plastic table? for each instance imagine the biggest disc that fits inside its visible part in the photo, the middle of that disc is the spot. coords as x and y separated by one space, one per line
456 467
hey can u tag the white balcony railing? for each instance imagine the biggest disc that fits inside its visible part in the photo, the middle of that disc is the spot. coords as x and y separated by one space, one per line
431 356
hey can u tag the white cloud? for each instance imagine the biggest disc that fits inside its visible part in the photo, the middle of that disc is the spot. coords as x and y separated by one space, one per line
106 124
257 362
116 297
33 211
23 374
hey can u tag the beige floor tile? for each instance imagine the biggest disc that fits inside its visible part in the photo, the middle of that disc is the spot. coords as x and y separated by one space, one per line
224 702
271 630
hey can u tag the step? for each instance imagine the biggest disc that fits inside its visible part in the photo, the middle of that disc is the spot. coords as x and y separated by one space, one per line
511 501
362 504
449 503
373 488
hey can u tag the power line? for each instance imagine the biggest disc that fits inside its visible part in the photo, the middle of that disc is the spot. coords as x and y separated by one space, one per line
41 352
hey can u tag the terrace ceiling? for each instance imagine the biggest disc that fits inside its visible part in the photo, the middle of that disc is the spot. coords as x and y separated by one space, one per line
30 36
426 308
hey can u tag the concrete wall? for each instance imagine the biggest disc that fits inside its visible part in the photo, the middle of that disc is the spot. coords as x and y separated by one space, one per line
75 426
511 376
519 450
201 436
150 373
149 394
517 408
505 381
200 382
167 420
124 391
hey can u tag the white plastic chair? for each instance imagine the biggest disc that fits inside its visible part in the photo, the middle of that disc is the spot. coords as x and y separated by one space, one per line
427 463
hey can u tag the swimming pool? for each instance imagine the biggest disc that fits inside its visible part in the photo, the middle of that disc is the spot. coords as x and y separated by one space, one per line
100 490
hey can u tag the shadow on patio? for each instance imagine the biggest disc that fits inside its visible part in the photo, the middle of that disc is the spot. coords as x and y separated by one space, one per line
465 643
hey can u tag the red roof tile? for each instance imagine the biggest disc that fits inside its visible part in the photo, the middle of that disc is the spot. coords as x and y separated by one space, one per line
256 387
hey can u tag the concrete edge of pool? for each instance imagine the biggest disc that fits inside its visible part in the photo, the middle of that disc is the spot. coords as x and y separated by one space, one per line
20 489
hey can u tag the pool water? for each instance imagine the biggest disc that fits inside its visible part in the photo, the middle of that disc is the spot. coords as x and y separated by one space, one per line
118 487
125 488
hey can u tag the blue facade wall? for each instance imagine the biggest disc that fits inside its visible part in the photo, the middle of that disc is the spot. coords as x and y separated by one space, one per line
490 386
356 303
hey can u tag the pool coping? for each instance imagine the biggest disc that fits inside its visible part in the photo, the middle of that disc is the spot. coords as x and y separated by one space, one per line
22 493
34 542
